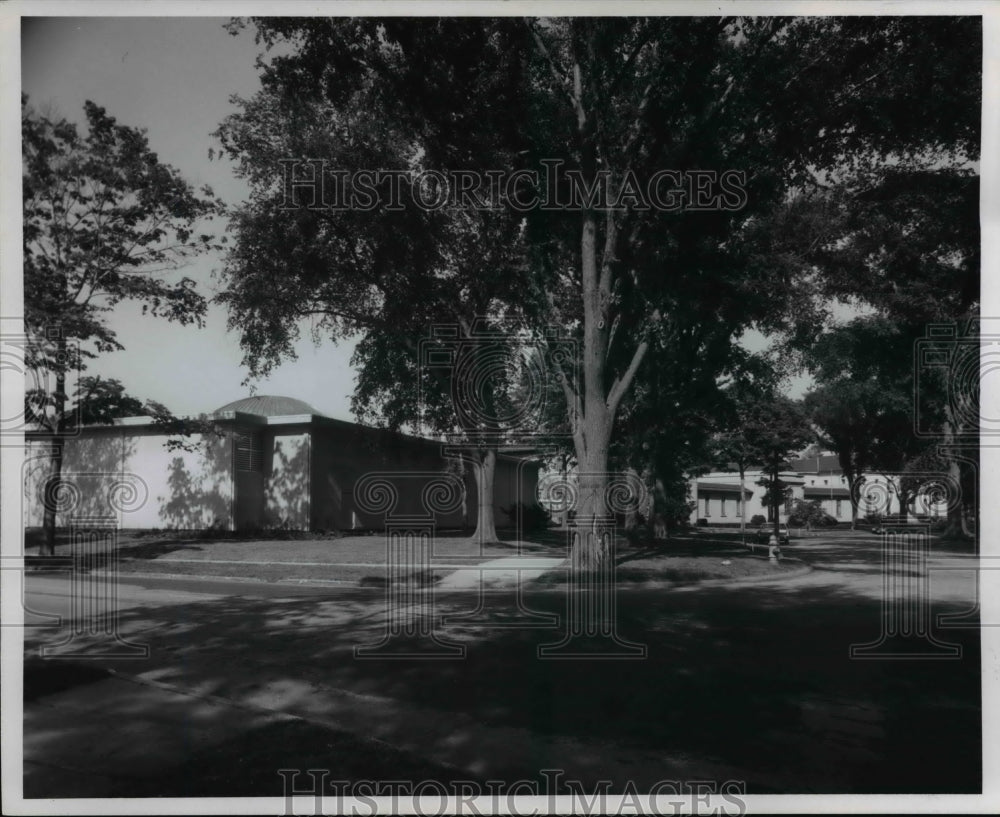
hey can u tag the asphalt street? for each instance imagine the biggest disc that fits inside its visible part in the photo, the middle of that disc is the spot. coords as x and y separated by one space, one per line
753 682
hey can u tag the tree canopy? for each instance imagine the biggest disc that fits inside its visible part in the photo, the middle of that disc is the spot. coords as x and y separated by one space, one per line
105 221
731 116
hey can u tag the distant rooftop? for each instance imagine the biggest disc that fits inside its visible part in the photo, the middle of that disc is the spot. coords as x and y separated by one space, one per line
268 405
820 464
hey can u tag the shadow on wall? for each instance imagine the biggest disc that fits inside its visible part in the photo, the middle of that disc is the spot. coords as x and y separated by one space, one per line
199 487
287 487
91 479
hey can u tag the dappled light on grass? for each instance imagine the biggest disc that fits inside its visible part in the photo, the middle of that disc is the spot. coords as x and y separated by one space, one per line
685 561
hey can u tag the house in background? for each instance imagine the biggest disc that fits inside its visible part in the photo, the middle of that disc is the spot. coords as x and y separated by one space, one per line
824 482
719 496
813 479
275 463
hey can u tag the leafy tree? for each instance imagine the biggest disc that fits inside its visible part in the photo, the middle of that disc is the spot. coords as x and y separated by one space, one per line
99 401
923 473
389 275
842 411
104 221
901 239
862 402
775 430
475 402
736 441
904 243
616 100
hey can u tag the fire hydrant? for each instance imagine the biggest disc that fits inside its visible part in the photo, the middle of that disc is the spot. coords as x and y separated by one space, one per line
773 551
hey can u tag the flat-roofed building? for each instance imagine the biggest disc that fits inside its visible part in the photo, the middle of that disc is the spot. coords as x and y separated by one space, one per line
270 462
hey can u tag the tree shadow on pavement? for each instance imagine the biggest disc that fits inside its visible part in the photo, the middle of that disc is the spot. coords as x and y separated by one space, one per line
754 682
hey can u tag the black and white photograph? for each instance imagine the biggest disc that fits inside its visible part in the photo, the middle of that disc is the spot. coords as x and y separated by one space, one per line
499 408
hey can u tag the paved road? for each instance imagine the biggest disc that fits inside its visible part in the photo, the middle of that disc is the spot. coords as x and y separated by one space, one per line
751 682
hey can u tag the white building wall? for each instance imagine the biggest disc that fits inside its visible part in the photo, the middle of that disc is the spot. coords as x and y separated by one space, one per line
721 506
879 495
129 475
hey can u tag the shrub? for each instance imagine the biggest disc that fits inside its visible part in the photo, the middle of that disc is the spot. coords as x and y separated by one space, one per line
533 516
809 513
821 521
703 523
758 519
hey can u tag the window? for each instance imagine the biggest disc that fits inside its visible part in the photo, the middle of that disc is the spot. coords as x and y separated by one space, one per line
839 506
249 452
722 506
705 512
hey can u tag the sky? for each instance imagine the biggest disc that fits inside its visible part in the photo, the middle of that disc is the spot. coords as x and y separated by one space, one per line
174 77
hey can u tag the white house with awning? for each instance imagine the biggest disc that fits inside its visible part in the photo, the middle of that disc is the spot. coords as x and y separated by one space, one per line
718 495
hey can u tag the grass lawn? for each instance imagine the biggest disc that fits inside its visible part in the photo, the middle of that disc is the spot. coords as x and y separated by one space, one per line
699 568
292 546
360 560
356 560
689 559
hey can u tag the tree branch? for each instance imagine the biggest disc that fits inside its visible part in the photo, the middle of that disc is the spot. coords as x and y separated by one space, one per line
559 74
622 383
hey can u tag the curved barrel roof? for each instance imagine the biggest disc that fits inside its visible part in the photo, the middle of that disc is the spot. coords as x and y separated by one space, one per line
268 405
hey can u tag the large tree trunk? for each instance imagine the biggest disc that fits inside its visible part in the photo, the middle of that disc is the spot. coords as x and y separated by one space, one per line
590 543
955 527
904 503
484 463
851 473
54 478
966 532
776 505
592 436
632 509
50 494
595 400
743 504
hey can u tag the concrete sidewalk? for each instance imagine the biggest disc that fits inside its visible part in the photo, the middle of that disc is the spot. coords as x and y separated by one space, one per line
507 572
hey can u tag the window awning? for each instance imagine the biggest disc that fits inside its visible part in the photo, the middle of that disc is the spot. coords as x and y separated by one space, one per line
722 488
820 492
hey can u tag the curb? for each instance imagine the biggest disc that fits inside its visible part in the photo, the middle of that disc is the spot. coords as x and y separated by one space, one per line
241 580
